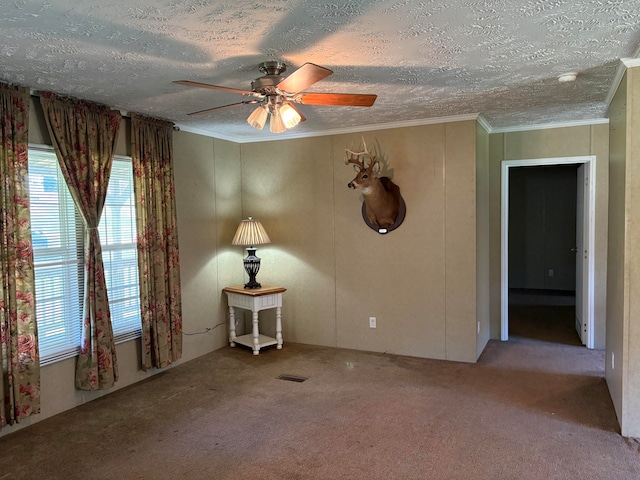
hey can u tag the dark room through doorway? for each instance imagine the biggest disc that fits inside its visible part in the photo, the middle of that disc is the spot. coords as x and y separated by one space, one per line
543 210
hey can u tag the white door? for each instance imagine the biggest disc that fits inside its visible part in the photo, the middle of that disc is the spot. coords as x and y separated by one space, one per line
581 253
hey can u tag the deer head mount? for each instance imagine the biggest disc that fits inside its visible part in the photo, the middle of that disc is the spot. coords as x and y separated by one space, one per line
383 208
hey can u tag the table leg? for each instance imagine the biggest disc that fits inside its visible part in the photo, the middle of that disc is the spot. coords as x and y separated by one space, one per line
256 335
279 327
232 327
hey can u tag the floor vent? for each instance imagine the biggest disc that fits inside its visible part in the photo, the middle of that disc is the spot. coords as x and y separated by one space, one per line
292 378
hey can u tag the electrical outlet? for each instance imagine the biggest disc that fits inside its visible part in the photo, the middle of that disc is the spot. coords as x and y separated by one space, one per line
372 322
551 272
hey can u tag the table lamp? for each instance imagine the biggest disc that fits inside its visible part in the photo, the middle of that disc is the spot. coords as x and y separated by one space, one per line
251 232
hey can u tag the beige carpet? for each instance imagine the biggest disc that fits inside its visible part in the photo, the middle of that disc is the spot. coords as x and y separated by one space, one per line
530 409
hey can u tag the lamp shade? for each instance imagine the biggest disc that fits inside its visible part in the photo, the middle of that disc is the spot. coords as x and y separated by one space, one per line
290 117
258 117
250 232
276 124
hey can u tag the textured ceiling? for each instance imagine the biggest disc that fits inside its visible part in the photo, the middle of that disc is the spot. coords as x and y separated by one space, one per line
424 59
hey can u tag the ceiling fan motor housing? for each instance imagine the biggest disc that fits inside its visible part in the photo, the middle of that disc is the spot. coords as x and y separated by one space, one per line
266 85
272 67
273 70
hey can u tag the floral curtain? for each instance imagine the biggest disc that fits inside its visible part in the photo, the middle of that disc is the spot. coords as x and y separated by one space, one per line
84 137
19 356
158 259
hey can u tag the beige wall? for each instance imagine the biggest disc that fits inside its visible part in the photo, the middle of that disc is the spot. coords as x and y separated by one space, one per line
207 177
616 299
553 143
415 280
288 186
483 235
631 352
623 308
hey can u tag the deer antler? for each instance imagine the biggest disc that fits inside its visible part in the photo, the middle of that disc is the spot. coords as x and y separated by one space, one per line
357 157
354 158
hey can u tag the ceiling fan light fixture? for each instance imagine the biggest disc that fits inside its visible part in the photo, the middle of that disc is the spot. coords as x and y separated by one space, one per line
289 116
258 117
276 124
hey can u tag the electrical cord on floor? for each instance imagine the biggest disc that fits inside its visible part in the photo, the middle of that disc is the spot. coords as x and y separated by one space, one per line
208 329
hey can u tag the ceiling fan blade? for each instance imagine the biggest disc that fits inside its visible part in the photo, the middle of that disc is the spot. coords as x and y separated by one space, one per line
304 77
216 87
339 99
200 112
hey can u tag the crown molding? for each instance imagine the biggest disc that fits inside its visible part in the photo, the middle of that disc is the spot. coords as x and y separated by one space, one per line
338 131
620 71
404 124
485 124
207 133
545 126
631 62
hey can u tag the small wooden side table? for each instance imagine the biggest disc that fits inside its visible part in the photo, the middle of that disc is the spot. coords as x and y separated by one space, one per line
255 299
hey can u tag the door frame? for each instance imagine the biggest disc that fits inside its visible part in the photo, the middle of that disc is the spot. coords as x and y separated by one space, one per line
589 162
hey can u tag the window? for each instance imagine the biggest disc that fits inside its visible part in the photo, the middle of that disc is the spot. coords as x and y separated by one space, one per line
58 233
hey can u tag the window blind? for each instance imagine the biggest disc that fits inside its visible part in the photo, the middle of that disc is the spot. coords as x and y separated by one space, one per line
119 251
58 235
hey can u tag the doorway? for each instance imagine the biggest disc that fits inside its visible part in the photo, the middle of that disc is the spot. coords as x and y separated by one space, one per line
585 236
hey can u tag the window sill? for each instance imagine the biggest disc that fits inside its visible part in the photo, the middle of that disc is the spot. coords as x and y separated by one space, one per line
58 357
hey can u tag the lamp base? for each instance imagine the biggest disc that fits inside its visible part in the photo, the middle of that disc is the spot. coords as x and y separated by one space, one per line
252 284
252 266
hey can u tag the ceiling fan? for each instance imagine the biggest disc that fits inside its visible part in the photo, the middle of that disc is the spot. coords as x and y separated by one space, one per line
276 95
